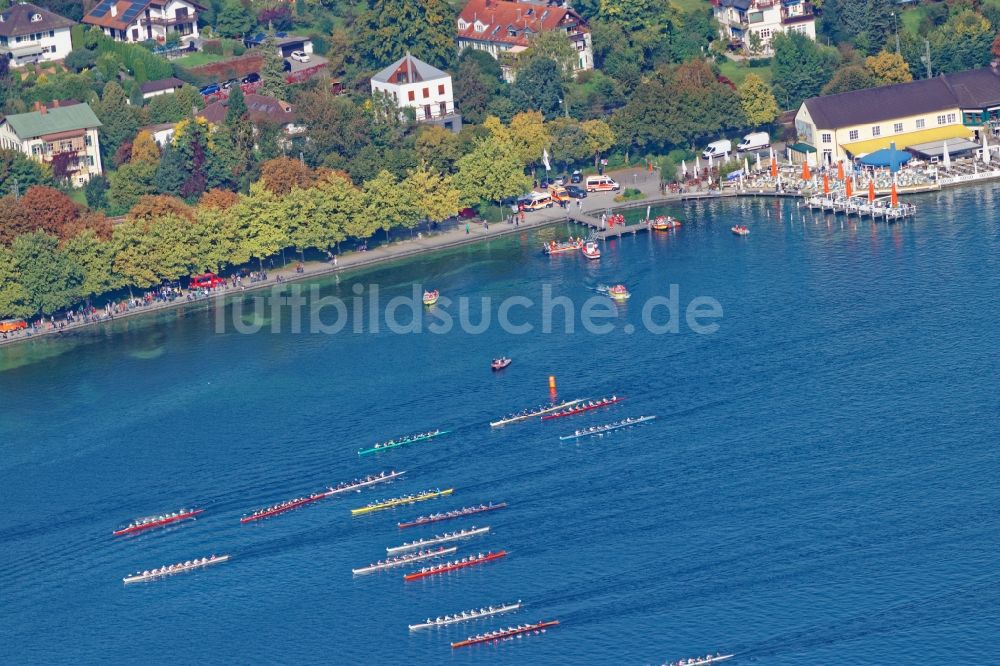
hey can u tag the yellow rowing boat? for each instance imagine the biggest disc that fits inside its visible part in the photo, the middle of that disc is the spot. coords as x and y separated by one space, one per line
400 501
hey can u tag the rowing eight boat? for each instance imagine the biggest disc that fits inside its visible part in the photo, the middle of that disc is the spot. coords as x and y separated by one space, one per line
441 538
600 430
525 415
503 634
584 408
452 566
404 560
400 501
466 616
457 513
393 444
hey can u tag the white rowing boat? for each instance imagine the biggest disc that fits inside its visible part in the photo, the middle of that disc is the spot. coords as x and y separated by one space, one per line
525 415
610 427
702 661
153 574
404 560
466 616
442 538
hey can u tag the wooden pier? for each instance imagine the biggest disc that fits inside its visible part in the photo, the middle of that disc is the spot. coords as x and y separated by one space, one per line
880 209
596 231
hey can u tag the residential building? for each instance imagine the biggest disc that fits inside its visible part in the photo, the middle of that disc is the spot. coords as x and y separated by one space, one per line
956 108
261 109
144 20
162 133
507 26
32 34
412 83
63 136
749 25
151 89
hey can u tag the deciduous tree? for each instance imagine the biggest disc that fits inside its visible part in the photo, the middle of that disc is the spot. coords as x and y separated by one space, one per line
599 138
272 73
759 106
282 174
889 67
95 256
50 276
435 197
151 207
438 148
17 170
128 183
145 150
539 87
851 77
388 204
391 27
491 172
801 67
48 209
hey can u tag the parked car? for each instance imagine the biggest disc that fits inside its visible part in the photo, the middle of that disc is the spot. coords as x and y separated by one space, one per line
210 89
206 281
718 148
601 184
230 83
252 77
301 56
577 177
754 141
576 192
561 180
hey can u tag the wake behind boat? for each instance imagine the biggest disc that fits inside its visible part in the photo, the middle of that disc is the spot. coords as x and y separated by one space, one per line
530 414
403 441
466 616
441 538
457 513
504 634
600 430
169 570
702 661
585 407
357 484
403 560
141 524
400 501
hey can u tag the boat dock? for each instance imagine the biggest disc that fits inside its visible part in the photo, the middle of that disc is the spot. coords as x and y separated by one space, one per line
597 231
879 209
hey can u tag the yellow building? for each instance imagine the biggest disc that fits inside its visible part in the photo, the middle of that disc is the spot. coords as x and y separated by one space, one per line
953 107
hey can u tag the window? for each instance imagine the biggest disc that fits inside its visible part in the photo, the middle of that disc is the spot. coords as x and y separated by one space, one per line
920 123
462 25
65 146
764 33
827 138
48 148
876 130
898 127
90 160
951 117
941 119
441 89
411 95
427 93
36 149
853 135
35 18
86 139
52 33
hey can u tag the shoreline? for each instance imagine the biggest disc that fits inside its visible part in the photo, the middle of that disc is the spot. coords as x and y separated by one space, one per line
452 238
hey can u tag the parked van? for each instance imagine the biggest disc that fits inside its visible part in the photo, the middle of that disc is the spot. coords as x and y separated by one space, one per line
601 184
754 141
718 148
536 201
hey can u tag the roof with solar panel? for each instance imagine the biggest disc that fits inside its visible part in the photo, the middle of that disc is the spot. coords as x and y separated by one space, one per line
120 14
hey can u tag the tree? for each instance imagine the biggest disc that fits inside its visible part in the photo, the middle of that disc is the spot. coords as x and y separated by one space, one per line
391 27
175 106
151 207
95 258
118 122
127 184
48 209
236 106
51 277
233 20
759 106
333 123
599 138
438 148
145 150
14 298
491 172
632 15
539 87
568 140
848 78
434 196
272 73
339 208
801 67
252 229
963 42
889 67
282 174
280 17
387 204
202 171
170 173
95 191
553 45
473 91
526 135
80 59
218 199
17 169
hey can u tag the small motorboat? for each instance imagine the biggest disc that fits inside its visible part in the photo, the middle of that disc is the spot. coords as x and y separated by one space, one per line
591 251
500 363
619 293
740 230
431 297
664 223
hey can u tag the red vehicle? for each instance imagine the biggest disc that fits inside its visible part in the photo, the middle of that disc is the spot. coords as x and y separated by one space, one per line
11 325
206 281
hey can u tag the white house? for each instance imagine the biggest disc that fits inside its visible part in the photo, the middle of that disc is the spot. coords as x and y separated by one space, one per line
63 134
142 20
32 34
151 89
508 26
412 83
741 20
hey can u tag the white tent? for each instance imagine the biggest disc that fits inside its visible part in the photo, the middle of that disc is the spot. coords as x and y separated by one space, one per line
684 168
945 155
986 150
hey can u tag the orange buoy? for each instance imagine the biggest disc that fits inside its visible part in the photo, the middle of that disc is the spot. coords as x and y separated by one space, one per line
552 382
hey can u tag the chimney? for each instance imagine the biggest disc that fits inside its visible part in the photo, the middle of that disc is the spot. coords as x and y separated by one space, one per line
40 108
55 104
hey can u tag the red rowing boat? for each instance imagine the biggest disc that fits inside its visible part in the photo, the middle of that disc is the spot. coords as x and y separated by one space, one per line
504 634
141 524
288 505
580 409
453 566
457 513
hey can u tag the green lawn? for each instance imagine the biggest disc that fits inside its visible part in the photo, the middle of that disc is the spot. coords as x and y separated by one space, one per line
737 71
911 18
688 5
78 196
198 59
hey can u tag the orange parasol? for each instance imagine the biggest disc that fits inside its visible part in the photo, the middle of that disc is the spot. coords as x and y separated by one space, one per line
805 171
826 184
774 168
840 171
847 187
871 191
894 201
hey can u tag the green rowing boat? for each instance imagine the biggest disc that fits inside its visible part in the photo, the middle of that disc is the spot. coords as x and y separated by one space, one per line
393 444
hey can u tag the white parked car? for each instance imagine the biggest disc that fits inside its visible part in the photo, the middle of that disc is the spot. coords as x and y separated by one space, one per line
301 56
718 148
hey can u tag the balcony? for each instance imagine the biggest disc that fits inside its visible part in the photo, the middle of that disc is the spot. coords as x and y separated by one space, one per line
166 21
805 15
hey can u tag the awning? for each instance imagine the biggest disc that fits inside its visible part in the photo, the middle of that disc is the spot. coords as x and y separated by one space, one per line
908 139
802 148
886 157
936 148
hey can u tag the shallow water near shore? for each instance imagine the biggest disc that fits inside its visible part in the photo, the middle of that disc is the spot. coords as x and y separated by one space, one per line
819 486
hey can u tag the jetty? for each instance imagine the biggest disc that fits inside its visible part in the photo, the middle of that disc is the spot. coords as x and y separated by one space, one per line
860 206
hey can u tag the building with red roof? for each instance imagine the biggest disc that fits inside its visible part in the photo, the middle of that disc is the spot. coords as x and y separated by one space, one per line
508 26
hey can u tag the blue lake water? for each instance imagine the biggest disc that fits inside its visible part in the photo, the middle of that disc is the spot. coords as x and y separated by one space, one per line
820 486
